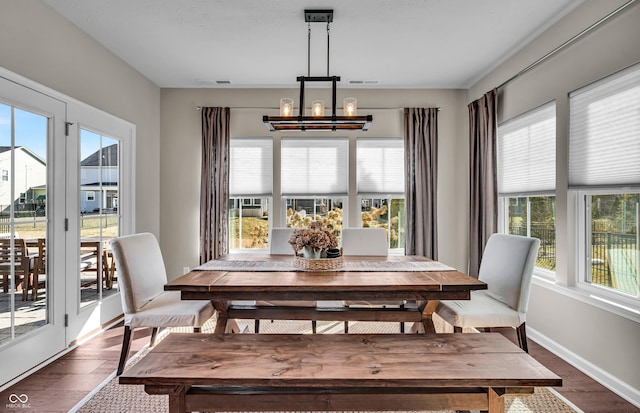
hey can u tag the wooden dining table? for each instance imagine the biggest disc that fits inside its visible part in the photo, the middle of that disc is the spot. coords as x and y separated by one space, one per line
264 277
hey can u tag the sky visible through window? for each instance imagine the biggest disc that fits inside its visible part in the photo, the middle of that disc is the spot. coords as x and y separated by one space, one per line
31 132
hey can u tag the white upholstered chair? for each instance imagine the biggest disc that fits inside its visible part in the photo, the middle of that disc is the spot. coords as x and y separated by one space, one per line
142 276
507 268
365 241
279 245
370 242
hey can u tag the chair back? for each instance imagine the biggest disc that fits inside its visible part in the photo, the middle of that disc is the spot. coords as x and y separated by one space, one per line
365 241
279 243
141 271
507 267
18 257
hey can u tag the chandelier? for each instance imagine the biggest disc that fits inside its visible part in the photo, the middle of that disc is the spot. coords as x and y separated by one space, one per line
288 121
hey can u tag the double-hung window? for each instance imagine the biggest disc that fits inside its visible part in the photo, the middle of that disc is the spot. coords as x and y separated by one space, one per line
380 180
314 177
604 173
527 177
250 192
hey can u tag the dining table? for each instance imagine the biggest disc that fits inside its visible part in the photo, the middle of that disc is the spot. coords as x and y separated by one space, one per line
262 277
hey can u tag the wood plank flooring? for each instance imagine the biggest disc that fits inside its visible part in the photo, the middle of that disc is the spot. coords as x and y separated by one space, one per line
60 385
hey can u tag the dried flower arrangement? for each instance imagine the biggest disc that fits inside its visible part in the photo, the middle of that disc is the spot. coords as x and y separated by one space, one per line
316 238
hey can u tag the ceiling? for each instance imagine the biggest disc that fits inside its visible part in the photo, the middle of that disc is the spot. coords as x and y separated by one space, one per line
263 43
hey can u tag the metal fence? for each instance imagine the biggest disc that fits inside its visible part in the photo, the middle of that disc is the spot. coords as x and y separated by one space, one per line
602 243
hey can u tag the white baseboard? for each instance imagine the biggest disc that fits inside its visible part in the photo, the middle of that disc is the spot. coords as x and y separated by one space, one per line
622 389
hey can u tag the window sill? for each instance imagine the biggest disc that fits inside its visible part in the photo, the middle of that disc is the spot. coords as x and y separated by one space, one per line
592 296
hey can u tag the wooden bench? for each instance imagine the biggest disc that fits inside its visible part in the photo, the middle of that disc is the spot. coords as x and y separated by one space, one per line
249 372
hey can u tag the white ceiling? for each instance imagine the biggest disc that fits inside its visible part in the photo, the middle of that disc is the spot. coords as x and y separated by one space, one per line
263 43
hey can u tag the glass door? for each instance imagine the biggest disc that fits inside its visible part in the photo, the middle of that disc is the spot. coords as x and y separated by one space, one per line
96 175
32 279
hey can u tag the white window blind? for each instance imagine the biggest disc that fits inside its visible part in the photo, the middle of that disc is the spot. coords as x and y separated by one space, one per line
314 166
604 132
380 166
527 152
251 167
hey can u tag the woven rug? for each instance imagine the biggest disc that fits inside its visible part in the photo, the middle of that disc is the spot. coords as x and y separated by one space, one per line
112 397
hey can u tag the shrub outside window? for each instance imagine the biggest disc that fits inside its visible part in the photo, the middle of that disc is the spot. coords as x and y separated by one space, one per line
387 213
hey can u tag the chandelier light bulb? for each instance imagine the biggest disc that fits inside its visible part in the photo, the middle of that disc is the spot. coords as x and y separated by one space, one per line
350 106
317 108
286 107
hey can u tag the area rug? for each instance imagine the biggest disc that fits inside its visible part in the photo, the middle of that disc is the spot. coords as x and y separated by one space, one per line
112 397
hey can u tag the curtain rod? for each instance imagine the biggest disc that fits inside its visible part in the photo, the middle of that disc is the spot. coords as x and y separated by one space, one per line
277 108
567 43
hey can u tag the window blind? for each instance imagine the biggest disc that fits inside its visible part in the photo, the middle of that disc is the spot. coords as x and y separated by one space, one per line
251 167
314 166
527 152
380 166
604 132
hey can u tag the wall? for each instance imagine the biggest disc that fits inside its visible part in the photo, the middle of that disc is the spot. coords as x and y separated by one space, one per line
181 153
39 44
584 331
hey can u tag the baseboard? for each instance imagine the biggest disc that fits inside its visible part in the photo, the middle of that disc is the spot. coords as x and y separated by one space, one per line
622 389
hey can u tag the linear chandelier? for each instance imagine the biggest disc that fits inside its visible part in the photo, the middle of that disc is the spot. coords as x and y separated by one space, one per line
317 120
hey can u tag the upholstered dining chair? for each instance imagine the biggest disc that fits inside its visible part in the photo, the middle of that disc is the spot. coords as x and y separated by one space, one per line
279 245
370 242
142 276
507 267
365 241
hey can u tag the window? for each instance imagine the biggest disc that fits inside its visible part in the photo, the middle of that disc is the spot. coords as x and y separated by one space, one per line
91 195
5 175
526 179
380 173
604 166
314 181
250 190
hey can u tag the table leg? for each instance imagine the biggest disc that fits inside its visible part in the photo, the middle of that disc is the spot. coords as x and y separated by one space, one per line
427 316
223 316
496 400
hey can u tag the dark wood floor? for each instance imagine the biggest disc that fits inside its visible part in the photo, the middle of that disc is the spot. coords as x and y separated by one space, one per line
61 385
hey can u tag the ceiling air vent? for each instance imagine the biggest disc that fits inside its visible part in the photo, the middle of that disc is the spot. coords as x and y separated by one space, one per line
223 82
363 82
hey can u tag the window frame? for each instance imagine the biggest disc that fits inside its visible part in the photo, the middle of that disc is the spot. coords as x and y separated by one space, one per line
602 293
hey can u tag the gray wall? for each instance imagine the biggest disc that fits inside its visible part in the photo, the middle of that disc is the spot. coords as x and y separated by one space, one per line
181 152
592 336
39 44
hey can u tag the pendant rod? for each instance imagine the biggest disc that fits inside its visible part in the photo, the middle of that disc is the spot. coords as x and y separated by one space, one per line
328 48
308 49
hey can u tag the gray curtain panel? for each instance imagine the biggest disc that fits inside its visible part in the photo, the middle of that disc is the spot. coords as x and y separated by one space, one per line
214 193
421 185
483 180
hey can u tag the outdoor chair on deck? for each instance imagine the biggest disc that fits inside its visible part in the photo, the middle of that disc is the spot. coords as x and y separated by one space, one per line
142 277
507 268
14 256
39 271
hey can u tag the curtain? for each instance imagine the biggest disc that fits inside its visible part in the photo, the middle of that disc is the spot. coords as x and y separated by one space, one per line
421 166
483 181
214 193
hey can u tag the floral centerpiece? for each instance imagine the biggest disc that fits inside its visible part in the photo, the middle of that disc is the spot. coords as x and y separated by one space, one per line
312 240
